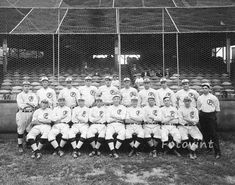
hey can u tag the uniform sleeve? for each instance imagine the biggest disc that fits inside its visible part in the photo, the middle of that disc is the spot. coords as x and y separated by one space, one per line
145 114
199 103
54 100
61 94
54 115
159 116
195 120
91 117
84 117
181 117
196 94
35 116
140 98
20 102
38 96
74 113
69 116
157 100
108 119
173 99
127 114
164 118
217 105
35 100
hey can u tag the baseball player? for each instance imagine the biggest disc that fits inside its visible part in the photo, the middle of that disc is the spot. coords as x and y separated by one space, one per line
115 118
107 91
26 102
46 93
69 93
97 117
127 92
165 91
80 126
170 120
115 81
147 92
186 91
188 120
61 116
152 128
134 119
209 105
40 125
139 81
88 92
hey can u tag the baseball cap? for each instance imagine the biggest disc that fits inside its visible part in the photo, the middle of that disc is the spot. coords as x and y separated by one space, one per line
186 98
44 101
163 80
81 99
88 78
61 99
126 79
166 97
206 84
185 81
116 95
115 74
151 97
98 98
44 78
108 78
146 80
134 98
26 83
69 79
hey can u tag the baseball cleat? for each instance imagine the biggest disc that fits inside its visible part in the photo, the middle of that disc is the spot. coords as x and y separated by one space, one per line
38 155
191 156
98 153
115 155
33 155
75 155
79 154
132 152
92 153
154 153
60 153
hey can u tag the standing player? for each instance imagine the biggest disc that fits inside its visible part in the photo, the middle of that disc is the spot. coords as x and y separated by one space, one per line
165 91
115 118
40 125
170 120
209 105
134 119
88 92
188 120
69 93
139 81
127 92
115 81
26 102
80 126
97 118
146 93
61 117
152 128
107 91
186 91
46 93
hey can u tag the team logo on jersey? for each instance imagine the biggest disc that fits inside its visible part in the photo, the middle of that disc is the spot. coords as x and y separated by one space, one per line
72 94
172 113
155 112
45 115
84 114
112 92
30 98
65 112
168 94
210 102
137 112
191 95
92 93
192 115
150 94
101 114
132 94
49 95
119 111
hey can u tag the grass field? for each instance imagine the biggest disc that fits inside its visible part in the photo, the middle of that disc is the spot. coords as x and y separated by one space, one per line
22 170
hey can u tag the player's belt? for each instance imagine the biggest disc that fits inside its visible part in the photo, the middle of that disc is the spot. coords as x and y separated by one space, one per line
188 125
27 111
98 123
117 122
170 124
154 123
133 123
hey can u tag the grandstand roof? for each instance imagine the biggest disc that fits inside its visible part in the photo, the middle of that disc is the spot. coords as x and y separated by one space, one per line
100 16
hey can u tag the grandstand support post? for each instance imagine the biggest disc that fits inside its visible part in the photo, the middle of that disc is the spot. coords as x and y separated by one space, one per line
177 57
119 47
58 43
228 59
163 44
53 53
4 46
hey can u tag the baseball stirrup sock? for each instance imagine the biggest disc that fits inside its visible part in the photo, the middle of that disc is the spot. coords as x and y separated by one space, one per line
118 144
63 142
79 145
111 146
54 144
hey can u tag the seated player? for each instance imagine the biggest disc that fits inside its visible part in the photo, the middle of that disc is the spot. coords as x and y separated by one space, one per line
134 119
115 118
170 120
152 128
188 119
97 117
61 117
41 124
80 126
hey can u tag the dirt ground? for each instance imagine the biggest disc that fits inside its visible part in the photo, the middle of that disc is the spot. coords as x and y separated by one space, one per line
142 170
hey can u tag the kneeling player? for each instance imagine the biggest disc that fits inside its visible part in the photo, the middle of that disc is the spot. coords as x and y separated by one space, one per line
40 125
188 118
115 118
97 118
134 119
152 128
170 120
61 117
80 126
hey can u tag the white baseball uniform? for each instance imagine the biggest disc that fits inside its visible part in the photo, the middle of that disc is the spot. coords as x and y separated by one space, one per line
115 83
170 119
107 93
191 93
161 93
25 113
70 95
42 118
48 94
144 94
80 117
134 118
152 115
139 81
126 94
97 118
208 103
61 116
88 93
186 115
115 119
